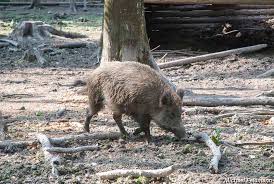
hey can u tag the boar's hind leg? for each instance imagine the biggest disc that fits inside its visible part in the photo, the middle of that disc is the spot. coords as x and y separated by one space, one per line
118 120
94 109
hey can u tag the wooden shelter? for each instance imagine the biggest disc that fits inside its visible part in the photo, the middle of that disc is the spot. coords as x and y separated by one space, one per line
226 22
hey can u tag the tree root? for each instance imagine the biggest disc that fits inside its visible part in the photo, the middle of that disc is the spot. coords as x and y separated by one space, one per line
136 173
71 45
33 55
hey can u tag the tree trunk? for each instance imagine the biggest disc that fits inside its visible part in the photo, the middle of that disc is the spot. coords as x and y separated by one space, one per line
35 3
85 5
72 6
124 33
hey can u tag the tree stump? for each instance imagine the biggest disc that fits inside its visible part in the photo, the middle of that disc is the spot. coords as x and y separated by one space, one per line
37 30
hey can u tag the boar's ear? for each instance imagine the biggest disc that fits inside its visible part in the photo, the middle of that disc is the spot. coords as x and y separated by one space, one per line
166 99
180 92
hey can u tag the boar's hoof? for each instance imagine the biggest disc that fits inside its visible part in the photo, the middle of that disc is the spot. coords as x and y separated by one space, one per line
86 128
137 131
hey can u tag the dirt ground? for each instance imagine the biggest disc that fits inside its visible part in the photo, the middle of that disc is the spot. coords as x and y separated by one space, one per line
35 95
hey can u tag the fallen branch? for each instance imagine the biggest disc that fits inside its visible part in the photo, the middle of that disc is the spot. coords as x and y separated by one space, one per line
72 150
209 101
159 60
213 166
191 60
4 45
7 144
14 43
248 143
268 94
99 136
3 127
269 73
136 173
52 159
71 45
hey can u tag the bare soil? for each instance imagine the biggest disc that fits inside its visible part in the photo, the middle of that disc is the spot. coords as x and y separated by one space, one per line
34 94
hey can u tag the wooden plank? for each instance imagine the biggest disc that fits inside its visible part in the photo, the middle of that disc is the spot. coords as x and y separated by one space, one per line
189 20
210 13
190 7
255 2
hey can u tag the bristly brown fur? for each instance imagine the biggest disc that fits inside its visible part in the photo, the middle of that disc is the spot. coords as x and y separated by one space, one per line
134 89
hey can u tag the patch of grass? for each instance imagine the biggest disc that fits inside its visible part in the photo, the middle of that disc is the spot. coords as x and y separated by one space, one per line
88 22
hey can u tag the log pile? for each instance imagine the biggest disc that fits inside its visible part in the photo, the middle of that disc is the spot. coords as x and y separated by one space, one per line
231 24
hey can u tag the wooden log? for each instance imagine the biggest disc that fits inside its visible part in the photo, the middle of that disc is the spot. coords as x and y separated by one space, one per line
213 166
267 74
50 158
209 13
202 26
248 143
256 2
267 93
15 144
72 150
224 19
214 101
14 43
191 7
3 128
70 45
4 45
191 60
136 173
98 135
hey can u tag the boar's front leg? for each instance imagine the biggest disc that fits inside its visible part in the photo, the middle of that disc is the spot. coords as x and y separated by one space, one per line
118 120
144 123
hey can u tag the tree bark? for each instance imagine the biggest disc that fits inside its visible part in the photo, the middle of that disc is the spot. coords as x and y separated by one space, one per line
72 6
85 5
35 4
124 33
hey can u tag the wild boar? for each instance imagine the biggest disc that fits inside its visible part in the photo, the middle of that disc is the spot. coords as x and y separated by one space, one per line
138 91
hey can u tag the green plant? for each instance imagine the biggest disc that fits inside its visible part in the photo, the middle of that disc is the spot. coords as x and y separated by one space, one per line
141 180
216 136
